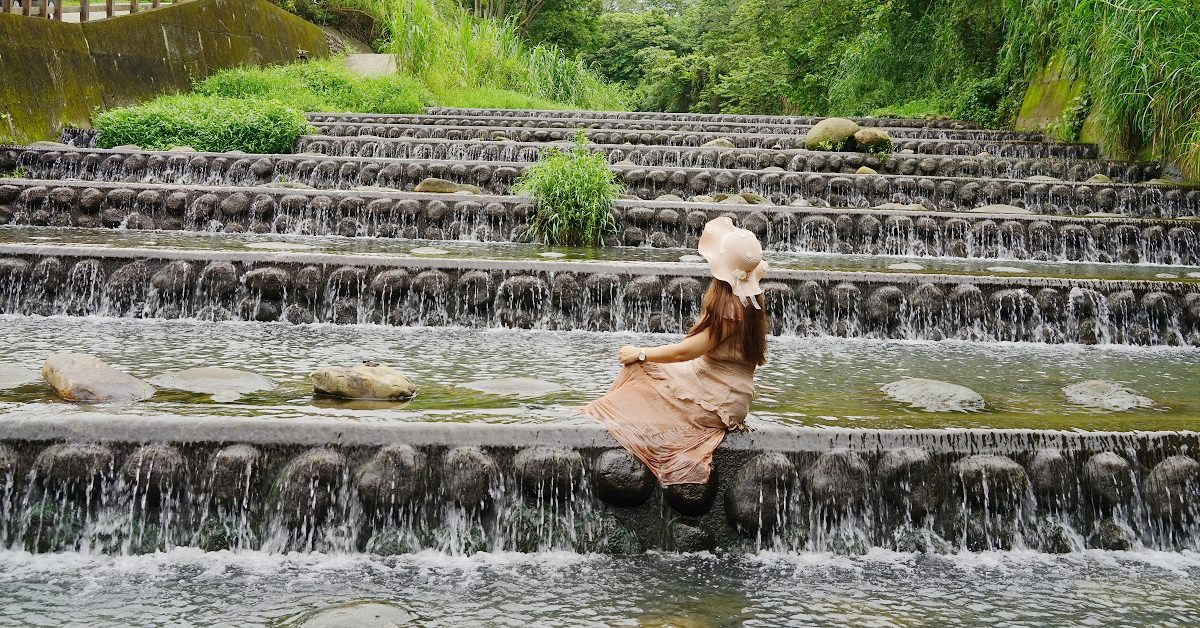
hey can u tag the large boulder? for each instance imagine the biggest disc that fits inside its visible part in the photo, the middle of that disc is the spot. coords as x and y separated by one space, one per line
1106 395
720 142
81 377
830 134
934 396
442 186
873 139
222 383
365 381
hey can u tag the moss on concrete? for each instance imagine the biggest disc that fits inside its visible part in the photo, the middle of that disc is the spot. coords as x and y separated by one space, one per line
1048 95
53 74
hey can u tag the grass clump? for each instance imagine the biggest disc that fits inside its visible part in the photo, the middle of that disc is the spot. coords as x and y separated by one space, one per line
447 48
1139 61
204 123
319 86
573 193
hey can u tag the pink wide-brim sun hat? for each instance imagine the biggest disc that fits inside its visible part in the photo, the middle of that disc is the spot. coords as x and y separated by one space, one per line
734 256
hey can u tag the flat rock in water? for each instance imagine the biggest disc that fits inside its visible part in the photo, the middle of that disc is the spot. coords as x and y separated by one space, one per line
365 381
1106 395
428 250
81 377
358 615
12 376
552 254
691 259
1194 275
222 383
524 387
905 266
999 208
1006 269
934 396
443 186
1166 276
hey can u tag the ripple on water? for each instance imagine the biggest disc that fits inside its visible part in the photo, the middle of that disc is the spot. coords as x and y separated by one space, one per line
807 381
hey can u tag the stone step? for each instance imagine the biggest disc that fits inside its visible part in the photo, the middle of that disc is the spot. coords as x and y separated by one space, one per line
794 160
659 125
388 214
877 477
303 287
997 148
880 261
831 189
697 117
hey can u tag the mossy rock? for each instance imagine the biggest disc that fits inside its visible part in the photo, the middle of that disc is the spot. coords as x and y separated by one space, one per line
134 539
393 542
831 134
603 534
218 534
529 529
52 527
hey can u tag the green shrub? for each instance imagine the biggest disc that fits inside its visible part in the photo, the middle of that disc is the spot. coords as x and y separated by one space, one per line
573 193
205 123
319 86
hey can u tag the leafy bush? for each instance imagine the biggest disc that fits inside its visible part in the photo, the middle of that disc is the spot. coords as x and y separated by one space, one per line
205 123
573 193
319 86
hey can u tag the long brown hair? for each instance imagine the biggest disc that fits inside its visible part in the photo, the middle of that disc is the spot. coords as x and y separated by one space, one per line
743 325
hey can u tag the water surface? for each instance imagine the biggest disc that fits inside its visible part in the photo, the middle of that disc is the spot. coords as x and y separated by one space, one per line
808 381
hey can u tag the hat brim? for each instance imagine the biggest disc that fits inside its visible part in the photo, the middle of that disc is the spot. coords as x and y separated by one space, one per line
709 248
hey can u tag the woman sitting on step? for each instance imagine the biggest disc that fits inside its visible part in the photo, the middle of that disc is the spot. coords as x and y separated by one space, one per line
671 405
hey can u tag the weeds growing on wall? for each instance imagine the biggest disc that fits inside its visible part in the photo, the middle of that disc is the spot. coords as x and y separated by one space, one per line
573 193
323 85
205 123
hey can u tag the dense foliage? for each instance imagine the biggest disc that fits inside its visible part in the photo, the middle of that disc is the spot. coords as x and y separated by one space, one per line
1139 61
457 53
573 193
205 123
319 86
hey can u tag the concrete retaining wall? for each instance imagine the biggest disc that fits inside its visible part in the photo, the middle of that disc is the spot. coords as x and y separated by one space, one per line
54 73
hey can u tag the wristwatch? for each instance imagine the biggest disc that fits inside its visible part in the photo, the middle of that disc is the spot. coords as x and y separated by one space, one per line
641 356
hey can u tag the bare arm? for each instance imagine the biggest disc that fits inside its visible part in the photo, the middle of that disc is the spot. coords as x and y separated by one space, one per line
689 348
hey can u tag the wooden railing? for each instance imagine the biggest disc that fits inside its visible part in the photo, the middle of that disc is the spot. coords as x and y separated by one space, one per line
56 10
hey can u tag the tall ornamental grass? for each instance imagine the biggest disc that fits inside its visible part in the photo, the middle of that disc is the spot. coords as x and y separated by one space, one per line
205 123
573 193
1139 60
447 48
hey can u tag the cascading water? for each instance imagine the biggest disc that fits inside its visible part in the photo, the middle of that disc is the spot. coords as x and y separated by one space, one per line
933 494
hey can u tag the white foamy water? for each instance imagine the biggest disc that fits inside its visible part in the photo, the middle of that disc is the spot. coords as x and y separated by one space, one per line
191 588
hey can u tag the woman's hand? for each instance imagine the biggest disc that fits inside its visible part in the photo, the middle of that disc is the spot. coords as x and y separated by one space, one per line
628 354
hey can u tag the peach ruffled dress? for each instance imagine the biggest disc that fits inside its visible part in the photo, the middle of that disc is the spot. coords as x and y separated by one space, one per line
672 416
